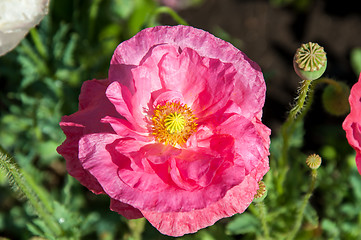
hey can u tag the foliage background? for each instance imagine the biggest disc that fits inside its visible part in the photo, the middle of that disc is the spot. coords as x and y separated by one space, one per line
40 82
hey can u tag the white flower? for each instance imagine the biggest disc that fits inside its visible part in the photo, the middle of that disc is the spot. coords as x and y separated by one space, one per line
17 17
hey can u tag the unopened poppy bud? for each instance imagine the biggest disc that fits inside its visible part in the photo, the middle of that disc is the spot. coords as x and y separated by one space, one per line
310 61
335 98
313 161
261 192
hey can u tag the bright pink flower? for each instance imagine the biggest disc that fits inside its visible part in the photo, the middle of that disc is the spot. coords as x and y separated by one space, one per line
352 123
175 133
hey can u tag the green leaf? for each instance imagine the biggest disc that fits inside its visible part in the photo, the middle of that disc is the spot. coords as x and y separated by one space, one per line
142 11
122 8
243 223
296 139
330 228
311 215
350 210
68 57
58 41
355 181
47 150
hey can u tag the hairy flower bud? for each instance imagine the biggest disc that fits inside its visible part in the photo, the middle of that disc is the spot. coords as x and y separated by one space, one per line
335 99
310 61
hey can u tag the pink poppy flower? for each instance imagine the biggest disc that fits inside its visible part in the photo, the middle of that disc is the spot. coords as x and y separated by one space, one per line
352 123
175 133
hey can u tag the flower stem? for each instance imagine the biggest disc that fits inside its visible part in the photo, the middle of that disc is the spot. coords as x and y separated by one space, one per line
332 82
20 183
303 103
93 13
305 201
172 13
38 43
288 126
262 215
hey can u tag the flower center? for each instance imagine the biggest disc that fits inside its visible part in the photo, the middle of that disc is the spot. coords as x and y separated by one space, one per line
173 123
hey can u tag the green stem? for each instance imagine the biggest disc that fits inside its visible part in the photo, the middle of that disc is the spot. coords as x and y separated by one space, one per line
262 215
301 211
171 12
93 13
289 124
40 192
330 81
300 99
296 114
19 182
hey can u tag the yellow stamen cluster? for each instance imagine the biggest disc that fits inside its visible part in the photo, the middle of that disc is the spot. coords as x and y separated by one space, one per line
173 123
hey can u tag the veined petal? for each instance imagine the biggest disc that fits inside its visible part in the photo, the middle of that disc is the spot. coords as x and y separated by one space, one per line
352 123
125 209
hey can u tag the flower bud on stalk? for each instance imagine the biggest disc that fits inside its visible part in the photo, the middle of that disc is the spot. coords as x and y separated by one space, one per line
310 61
335 98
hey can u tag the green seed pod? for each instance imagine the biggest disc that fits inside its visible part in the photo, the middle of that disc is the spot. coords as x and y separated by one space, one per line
313 161
335 98
310 61
261 192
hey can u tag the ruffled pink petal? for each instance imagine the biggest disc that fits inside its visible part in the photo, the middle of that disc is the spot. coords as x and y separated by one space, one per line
235 201
358 161
197 168
143 80
158 153
218 88
98 161
122 73
69 150
124 129
168 96
352 123
125 209
146 78
250 147
250 88
93 105
121 98
114 170
177 224
184 72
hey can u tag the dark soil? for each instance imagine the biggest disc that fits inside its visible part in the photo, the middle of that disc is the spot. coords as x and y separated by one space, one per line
270 36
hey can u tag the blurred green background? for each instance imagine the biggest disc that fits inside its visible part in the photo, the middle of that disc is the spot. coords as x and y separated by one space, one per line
40 82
